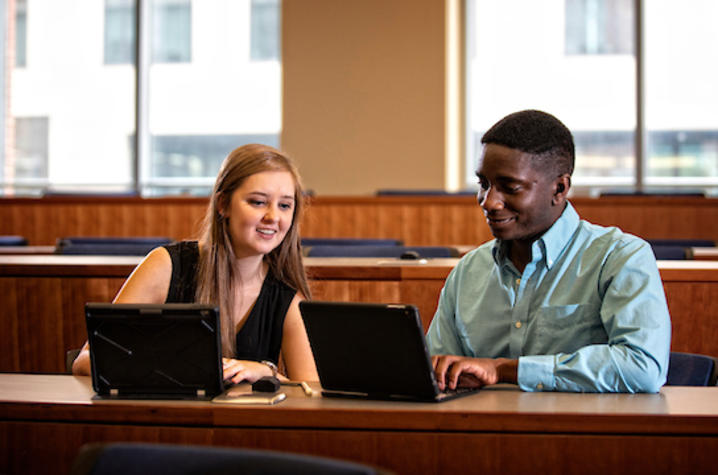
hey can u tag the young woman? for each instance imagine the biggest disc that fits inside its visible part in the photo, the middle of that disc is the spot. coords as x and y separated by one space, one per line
247 261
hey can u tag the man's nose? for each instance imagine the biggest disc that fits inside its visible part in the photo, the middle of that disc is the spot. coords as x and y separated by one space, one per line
490 199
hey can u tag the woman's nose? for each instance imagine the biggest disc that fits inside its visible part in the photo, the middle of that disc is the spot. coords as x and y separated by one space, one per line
271 214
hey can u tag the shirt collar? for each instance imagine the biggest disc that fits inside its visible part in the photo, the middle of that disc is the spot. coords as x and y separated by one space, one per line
552 241
559 234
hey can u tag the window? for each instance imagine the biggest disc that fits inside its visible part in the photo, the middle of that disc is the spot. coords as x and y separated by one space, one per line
119 31
264 30
198 112
579 60
20 33
176 157
681 100
171 31
85 117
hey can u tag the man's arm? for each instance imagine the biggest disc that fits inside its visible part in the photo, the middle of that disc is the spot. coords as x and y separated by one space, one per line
452 371
442 336
635 316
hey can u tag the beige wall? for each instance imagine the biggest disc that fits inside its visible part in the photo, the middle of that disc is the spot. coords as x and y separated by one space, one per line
363 87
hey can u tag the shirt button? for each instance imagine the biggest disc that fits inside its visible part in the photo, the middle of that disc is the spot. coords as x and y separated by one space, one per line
518 281
517 324
539 386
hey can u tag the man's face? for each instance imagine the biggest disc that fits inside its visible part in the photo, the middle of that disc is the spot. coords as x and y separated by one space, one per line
515 196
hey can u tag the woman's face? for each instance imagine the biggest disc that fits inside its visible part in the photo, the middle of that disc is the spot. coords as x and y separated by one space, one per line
260 212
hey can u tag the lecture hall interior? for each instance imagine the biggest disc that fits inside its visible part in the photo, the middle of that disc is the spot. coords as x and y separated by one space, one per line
116 115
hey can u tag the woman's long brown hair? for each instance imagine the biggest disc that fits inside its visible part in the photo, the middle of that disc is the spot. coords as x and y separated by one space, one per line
215 276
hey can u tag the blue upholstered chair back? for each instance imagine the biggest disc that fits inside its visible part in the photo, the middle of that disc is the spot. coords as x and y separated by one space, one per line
689 369
424 192
383 251
682 242
309 242
145 458
113 246
8 240
676 249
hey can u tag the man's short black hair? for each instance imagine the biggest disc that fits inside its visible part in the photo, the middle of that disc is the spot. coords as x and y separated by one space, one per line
539 134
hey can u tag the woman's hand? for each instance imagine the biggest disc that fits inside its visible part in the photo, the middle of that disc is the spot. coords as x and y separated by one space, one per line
237 371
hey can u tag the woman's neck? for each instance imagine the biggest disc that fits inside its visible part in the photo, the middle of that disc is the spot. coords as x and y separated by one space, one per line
250 269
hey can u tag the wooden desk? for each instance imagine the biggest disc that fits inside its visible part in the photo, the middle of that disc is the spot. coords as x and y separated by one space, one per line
44 296
27 250
44 419
703 253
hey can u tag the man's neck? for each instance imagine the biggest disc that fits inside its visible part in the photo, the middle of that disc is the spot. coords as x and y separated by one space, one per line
519 253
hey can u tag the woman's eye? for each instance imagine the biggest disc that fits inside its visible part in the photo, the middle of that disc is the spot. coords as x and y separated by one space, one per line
285 206
256 202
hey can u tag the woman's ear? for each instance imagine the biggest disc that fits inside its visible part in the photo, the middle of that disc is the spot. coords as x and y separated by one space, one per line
221 204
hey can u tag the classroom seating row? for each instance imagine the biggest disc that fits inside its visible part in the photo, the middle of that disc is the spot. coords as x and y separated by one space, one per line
312 247
44 297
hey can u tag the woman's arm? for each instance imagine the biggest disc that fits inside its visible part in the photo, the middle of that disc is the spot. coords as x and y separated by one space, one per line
148 283
296 352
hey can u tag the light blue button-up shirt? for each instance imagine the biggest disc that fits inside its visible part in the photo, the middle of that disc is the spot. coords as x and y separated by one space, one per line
588 313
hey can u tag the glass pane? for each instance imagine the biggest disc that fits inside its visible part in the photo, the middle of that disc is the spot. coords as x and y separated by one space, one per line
20 33
265 30
31 147
69 118
201 110
119 31
599 27
171 31
681 93
571 58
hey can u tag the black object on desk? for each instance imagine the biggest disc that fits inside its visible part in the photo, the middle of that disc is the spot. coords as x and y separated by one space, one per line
155 351
267 384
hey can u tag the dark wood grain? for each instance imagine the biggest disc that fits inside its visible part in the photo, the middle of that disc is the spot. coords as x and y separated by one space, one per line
417 220
44 420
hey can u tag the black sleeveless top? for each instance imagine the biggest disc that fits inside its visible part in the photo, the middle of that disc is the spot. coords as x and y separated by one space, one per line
261 335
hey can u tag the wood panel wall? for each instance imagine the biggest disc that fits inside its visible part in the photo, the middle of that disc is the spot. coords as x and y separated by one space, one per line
427 220
50 447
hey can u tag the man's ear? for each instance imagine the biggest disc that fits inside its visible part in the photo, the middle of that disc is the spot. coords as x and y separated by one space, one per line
560 189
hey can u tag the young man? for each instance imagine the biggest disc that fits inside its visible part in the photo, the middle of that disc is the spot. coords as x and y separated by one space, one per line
554 303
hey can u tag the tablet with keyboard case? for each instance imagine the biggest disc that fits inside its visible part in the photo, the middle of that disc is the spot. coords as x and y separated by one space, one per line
154 351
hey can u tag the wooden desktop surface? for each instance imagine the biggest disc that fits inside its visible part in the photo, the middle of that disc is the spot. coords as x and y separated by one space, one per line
25 250
704 253
44 419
